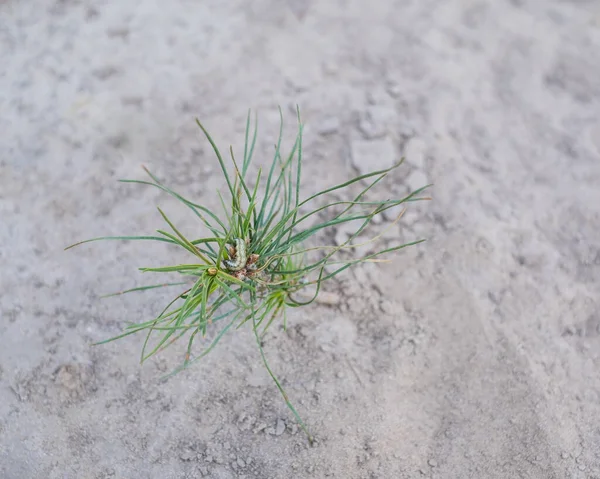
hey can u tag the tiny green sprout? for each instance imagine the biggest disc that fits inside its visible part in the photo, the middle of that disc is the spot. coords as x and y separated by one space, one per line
253 263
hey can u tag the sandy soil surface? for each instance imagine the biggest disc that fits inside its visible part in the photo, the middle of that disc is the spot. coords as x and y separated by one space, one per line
473 355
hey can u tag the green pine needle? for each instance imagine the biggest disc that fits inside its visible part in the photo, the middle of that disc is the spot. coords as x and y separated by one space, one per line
252 264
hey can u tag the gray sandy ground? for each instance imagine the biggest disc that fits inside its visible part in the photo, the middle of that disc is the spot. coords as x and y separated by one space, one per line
473 355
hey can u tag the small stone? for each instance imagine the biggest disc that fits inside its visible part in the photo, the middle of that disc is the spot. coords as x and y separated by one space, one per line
340 237
279 427
204 470
581 467
153 396
416 180
387 307
345 230
432 462
187 455
369 156
410 217
370 130
261 427
227 446
329 126
339 375
399 189
394 90
564 455
406 129
241 462
208 459
328 299
361 275
373 123
392 213
414 152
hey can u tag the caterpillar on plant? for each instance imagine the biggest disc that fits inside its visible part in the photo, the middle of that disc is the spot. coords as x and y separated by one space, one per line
239 261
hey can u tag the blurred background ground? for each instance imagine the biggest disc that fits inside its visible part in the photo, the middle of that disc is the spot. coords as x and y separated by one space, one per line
475 354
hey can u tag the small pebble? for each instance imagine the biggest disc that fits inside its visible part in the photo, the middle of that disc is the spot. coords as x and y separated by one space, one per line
416 180
432 462
368 156
187 455
259 428
329 126
328 299
392 213
340 237
279 427
394 90
410 216
414 151
345 230
388 307
374 122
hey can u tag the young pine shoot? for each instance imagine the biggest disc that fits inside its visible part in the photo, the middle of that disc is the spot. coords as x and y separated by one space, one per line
253 262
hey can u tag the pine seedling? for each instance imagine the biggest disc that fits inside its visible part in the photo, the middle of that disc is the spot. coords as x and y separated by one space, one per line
254 262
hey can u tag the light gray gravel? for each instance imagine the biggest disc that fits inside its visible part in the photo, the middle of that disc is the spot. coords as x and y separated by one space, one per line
473 355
